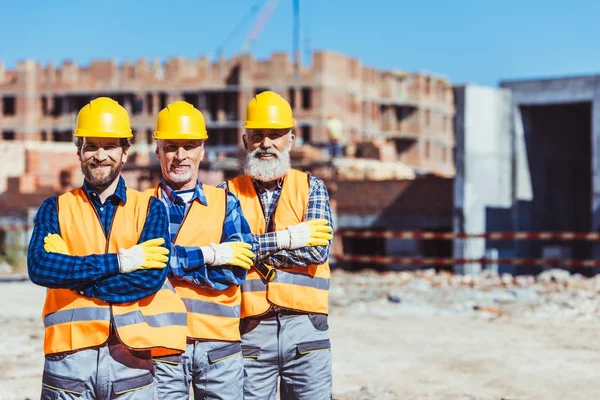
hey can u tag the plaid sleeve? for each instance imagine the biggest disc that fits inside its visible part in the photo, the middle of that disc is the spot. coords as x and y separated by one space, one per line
190 261
265 245
142 283
55 270
317 208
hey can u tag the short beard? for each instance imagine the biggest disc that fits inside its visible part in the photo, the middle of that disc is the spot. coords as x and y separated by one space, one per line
101 182
267 170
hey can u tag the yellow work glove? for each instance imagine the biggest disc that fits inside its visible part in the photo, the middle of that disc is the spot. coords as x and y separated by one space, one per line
147 255
237 254
53 243
315 232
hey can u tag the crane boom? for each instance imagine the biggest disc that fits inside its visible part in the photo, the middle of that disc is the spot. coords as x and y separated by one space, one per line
260 23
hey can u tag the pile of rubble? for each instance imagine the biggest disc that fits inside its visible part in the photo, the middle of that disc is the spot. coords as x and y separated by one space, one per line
368 393
360 169
552 294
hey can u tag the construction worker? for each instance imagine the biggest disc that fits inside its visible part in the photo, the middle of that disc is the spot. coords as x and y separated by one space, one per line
335 129
285 334
102 249
211 256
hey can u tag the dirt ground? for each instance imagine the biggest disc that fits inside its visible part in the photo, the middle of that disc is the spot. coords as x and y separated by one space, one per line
399 341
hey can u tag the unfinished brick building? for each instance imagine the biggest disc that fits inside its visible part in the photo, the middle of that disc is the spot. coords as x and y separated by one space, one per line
413 111
403 120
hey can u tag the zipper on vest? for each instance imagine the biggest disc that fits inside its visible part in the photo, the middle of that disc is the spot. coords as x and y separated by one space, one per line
106 248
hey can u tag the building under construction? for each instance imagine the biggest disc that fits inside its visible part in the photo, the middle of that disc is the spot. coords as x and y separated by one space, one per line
415 111
396 125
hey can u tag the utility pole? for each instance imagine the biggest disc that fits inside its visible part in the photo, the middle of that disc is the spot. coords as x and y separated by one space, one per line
296 44
296 49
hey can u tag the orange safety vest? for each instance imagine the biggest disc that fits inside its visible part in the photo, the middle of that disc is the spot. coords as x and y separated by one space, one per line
211 314
298 288
73 321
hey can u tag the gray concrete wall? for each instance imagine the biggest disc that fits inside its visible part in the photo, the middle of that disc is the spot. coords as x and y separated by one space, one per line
559 91
552 91
484 159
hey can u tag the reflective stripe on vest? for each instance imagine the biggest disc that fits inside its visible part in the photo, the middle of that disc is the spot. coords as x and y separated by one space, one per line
74 322
298 288
211 314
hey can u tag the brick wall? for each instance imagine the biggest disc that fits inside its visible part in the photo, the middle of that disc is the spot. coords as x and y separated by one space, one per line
372 103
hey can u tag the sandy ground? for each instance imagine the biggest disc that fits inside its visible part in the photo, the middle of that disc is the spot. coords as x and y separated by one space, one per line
387 350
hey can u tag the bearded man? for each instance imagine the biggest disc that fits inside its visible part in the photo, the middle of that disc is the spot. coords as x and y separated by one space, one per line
285 333
101 250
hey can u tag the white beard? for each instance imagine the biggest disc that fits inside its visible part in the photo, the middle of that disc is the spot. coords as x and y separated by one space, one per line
267 170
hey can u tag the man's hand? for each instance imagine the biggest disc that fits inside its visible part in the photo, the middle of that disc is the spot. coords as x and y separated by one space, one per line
53 243
237 254
315 232
147 255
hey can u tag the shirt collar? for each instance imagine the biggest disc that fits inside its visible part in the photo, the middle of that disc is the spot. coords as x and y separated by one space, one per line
260 186
120 193
171 196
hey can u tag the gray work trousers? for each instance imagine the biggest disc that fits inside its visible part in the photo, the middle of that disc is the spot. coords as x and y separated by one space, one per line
112 371
292 349
214 369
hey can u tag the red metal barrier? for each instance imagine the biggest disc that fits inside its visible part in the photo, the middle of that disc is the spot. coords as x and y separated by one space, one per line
427 235
485 235
386 260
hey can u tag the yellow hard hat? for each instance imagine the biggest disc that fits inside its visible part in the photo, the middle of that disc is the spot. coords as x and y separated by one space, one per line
268 110
180 120
103 117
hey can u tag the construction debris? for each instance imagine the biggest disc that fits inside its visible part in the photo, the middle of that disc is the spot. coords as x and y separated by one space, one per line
552 294
359 169
449 337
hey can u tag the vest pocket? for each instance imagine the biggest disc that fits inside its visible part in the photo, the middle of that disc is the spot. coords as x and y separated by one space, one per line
224 352
310 347
63 384
121 386
250 351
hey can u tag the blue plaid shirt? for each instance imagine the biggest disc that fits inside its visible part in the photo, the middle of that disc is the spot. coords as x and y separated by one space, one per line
95 275
187 262
265 245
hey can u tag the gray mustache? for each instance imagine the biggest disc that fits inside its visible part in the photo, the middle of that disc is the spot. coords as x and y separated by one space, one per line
258 154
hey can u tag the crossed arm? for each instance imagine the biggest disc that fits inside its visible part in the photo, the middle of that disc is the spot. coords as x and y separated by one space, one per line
95 275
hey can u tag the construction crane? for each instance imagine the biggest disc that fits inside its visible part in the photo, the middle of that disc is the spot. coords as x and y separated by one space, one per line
266 13
239 26
265 9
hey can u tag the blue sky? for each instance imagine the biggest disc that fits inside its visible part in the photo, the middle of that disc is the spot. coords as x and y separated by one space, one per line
475 41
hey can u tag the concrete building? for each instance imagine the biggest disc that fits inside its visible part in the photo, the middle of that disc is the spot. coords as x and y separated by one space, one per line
559 120
528 159
483 188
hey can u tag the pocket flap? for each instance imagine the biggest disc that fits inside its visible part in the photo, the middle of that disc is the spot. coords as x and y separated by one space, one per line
173 360
224 352
63 383
250 351
130 384
307 347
